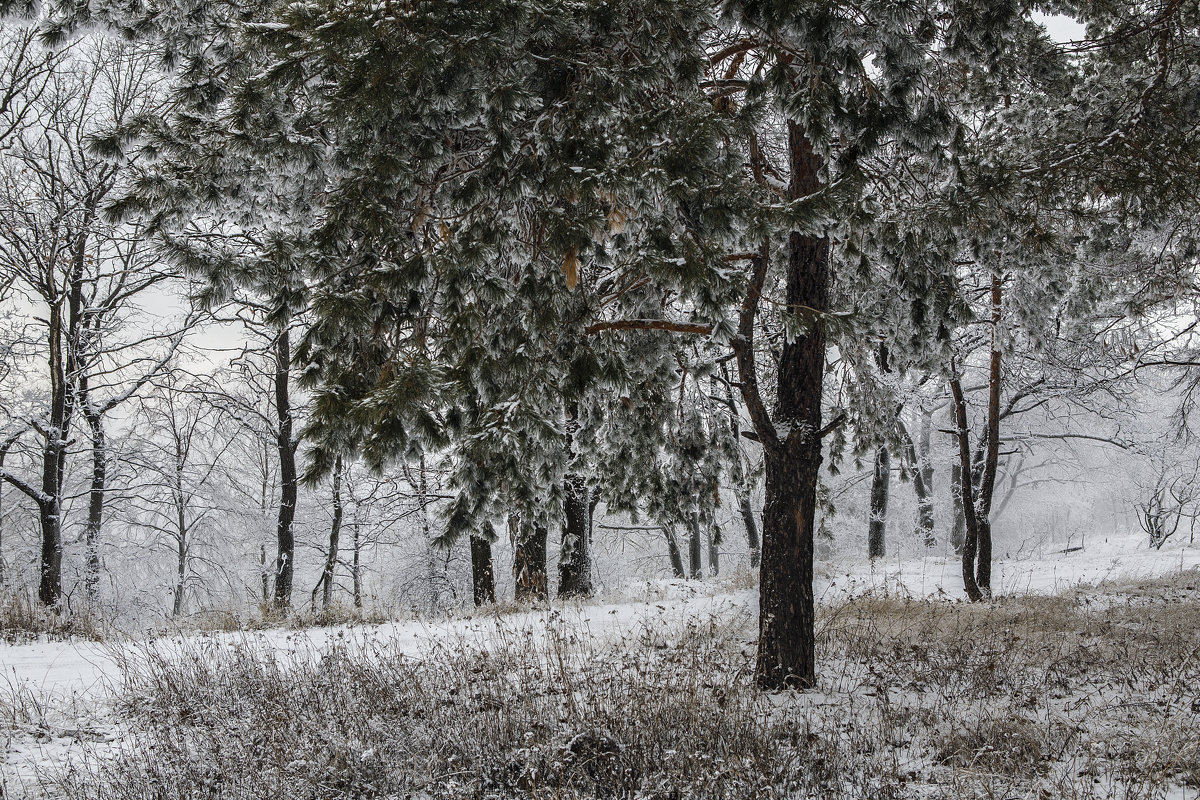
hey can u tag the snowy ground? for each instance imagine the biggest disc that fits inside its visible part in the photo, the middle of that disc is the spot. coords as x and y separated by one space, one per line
55 696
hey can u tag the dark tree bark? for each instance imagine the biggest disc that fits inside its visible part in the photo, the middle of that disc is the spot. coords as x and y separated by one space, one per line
181 545
95 519
695 565
674 553
289 485
335 531
977 498
751 525
575 564
529 560
791 442
63 363
877 524
483 583
355 568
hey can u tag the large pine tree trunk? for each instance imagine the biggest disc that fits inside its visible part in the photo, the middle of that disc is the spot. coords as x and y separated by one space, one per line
787 639
529 560
575 562
877 524
289 484
483 583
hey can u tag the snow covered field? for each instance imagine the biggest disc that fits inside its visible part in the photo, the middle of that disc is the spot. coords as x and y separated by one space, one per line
58 699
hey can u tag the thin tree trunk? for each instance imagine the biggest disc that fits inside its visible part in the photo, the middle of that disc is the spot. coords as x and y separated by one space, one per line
529 560
575 562
959 526
3 455
264 573
335 531
95 505
695 565
714 550
180 575
740 488
434 566
285 560
925 470
483 583
181 529
674 553
355 573
877 524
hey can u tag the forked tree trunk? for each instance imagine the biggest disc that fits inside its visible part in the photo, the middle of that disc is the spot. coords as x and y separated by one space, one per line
877 524
483 583
792 443
919 466
977 499
575 561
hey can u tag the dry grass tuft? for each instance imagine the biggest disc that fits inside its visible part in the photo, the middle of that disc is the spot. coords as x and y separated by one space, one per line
23 619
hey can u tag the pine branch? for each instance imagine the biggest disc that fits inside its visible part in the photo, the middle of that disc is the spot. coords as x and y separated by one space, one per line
696 328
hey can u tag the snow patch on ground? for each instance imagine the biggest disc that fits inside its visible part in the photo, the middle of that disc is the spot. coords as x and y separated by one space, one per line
56 697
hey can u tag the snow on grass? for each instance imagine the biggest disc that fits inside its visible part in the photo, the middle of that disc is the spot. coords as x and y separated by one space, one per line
76 702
